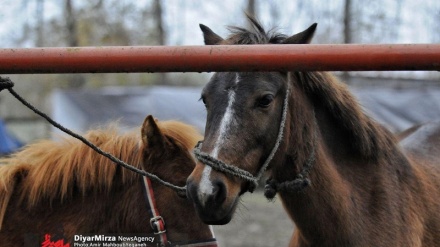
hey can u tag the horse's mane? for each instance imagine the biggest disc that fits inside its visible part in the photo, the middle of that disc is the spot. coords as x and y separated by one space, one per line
368 138
53 169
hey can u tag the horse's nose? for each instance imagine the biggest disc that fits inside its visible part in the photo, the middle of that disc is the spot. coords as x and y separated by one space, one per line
210 198
218 195
207 199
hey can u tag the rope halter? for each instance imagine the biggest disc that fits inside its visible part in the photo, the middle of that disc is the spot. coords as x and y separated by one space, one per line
238 172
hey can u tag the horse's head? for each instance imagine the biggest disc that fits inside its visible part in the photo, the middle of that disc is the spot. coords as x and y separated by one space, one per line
244 114
166 150
166 146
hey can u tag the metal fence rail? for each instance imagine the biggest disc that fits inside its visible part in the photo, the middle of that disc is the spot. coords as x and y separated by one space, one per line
352 57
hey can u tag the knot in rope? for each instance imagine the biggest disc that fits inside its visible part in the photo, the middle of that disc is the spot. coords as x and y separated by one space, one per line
272 186
5 83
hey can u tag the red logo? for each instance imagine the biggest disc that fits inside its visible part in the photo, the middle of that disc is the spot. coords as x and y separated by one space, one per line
49 243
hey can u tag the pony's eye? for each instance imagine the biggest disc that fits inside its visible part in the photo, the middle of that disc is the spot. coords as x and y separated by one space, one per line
265 101
203 100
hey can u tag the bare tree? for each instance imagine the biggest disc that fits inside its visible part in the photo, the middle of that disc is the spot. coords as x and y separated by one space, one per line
158 13
251 10
348 34
39 11
348 31
72 33
75 80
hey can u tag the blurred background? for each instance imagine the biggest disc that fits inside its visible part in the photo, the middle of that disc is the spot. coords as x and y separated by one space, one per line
82 101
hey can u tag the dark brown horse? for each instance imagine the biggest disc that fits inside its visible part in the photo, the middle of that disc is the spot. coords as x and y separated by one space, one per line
65 188
343 179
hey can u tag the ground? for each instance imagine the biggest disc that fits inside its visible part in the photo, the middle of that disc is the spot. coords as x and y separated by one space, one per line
257 222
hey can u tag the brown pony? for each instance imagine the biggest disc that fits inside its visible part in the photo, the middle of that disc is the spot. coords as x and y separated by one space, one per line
343 179
64 187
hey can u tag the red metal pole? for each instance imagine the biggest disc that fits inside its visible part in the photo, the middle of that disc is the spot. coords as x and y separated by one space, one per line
352 57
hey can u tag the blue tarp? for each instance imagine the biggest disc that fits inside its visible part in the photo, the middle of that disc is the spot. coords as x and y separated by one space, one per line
8 143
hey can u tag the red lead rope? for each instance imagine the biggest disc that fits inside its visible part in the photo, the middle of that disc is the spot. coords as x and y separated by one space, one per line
158 223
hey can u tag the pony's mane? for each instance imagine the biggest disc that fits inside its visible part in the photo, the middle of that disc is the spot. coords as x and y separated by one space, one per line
53 169
367 138
255 35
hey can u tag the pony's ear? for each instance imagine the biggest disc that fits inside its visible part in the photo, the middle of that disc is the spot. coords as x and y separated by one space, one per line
151 134
209 36
304 37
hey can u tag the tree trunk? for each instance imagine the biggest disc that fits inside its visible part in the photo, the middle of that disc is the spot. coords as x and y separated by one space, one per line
251 10
40 23
160 32
348 34
157 13
348 38
72 35
74 80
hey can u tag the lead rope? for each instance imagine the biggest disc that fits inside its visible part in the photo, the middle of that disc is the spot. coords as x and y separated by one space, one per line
6 83
238 172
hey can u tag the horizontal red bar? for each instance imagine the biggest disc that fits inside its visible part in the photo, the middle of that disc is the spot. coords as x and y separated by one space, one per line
352 57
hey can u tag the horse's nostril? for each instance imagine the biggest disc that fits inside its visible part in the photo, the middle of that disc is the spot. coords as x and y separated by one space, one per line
204 199
219 191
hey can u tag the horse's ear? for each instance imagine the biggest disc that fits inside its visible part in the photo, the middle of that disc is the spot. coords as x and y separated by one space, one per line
209 36
151 134
304 37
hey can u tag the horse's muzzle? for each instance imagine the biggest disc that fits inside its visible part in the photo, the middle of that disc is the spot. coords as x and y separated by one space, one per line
211 207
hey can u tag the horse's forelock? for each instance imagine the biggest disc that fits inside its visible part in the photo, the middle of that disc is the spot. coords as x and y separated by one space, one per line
255 35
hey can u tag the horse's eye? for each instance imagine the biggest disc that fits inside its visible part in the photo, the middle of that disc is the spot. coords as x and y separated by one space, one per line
203 100
265 101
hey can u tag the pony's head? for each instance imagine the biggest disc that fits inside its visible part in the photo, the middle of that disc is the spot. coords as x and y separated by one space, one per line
244 114
166 150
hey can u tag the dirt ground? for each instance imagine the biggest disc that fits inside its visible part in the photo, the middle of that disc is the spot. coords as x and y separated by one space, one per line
257 222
